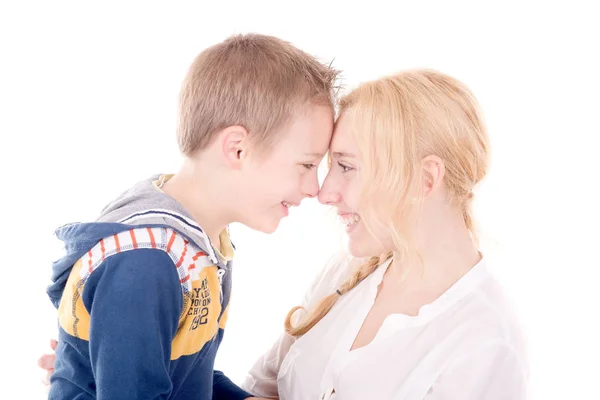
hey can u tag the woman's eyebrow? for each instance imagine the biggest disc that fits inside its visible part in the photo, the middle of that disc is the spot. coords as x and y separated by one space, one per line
339 154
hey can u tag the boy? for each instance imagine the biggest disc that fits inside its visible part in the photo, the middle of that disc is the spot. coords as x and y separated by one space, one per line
143 292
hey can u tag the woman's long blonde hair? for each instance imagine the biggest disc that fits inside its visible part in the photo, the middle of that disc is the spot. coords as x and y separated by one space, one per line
397 121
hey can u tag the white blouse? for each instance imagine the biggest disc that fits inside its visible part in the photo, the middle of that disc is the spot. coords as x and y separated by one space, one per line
465 345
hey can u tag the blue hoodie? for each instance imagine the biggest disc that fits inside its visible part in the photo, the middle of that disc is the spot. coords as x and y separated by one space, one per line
142 304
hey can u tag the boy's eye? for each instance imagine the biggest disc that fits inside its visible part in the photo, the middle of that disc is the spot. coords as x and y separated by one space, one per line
309 166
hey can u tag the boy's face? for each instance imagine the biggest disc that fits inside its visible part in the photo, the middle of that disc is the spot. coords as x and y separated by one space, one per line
281 177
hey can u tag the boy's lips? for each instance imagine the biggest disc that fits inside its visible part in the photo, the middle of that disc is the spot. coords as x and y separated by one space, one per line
286 205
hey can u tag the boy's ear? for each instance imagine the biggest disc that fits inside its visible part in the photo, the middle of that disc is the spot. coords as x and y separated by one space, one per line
234 145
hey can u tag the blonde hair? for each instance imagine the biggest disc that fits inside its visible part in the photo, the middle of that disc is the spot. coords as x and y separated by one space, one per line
397 121
259 82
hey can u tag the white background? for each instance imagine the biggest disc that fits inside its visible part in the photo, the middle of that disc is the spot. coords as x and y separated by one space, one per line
87 107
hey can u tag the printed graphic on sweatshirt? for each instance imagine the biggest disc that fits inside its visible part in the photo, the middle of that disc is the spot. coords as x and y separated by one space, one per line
199 322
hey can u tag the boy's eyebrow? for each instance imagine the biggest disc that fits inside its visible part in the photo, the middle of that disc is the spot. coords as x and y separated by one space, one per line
315 155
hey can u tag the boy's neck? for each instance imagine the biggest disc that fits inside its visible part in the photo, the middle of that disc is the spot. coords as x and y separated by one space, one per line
197 190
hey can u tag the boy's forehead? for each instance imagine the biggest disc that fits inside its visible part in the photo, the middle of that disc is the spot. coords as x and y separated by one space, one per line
307 144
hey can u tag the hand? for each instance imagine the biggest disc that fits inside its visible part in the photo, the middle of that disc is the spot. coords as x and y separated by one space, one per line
46 362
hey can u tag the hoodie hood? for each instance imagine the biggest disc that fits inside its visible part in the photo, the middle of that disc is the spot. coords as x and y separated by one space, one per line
143 205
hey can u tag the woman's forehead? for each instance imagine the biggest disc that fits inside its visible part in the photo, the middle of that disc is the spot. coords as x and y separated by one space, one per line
342 140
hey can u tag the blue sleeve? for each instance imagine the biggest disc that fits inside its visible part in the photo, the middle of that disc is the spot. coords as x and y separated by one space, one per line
224 389
134 300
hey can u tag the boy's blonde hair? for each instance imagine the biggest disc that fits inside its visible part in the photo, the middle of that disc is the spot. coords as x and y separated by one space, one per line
396 122
256 81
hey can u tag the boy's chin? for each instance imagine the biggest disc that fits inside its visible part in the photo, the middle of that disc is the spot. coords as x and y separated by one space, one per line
264 225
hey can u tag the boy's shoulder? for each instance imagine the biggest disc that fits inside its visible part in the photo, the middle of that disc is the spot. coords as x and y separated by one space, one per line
184 255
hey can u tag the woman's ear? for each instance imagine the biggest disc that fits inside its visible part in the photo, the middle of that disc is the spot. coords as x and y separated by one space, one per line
433 173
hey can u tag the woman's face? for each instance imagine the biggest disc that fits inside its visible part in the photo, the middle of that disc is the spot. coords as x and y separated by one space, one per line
342 189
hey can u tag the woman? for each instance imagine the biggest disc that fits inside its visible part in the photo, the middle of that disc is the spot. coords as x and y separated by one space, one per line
412 312
421 318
